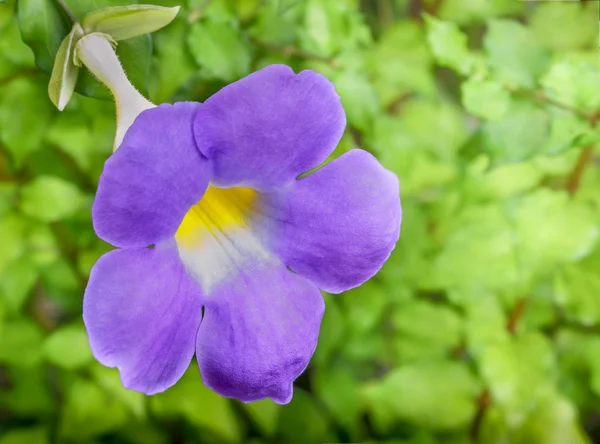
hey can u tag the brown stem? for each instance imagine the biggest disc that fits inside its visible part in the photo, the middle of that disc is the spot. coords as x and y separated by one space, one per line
415 8
385 11
539 96
574 179
483 403
515 315
435 7
19 74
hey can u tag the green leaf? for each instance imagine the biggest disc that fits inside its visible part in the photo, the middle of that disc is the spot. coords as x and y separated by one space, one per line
125 22
415 337
479 252
49 199
265 414
303 421
29 436
331 27
109 380
22 130
174 64
516 58
202 407
65 73
520 134
12 233
552 230
220 50
88 411
359 98
485 98
17 281
28 394
519 373
578 25
449 45
574 82
400 63
577 288
67 347
43 29
338 390
21 343
555 421
434 394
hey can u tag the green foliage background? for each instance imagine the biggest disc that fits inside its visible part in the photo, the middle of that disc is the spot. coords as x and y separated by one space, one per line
484 326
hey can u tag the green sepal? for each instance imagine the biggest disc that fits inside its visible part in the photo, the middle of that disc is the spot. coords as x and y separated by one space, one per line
65 72
125 22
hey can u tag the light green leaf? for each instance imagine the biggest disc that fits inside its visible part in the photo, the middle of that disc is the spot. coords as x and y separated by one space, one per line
22 130
433 394
574 82
485 98
400 63
359 98
578 25
125 22
49 199
21 343
555 421
12 233
416 339
220 49
449 45
16 282
577 288
520 134
67 347
519 374
552 230
43 29
202 407
64 74
331 27
515 56
479 252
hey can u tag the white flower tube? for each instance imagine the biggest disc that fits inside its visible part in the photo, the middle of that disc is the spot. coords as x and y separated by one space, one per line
96 52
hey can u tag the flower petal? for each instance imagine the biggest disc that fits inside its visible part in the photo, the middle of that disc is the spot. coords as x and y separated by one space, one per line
142 312
338 225
269 127
152 180
258 333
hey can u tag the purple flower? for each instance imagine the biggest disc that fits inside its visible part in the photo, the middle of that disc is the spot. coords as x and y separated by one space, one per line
241 246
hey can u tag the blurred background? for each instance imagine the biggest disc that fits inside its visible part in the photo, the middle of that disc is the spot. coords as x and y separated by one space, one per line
484 326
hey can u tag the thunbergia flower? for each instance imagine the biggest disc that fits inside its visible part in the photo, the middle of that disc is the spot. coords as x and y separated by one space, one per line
222 247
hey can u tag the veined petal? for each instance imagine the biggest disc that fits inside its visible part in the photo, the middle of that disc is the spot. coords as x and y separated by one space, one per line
338 225
142 311
259 331
269 127
152 180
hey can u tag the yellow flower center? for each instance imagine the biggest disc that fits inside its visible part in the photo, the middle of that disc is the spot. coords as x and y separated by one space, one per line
219 210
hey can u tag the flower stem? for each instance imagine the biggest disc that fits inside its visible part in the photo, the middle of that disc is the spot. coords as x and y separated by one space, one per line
97 53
